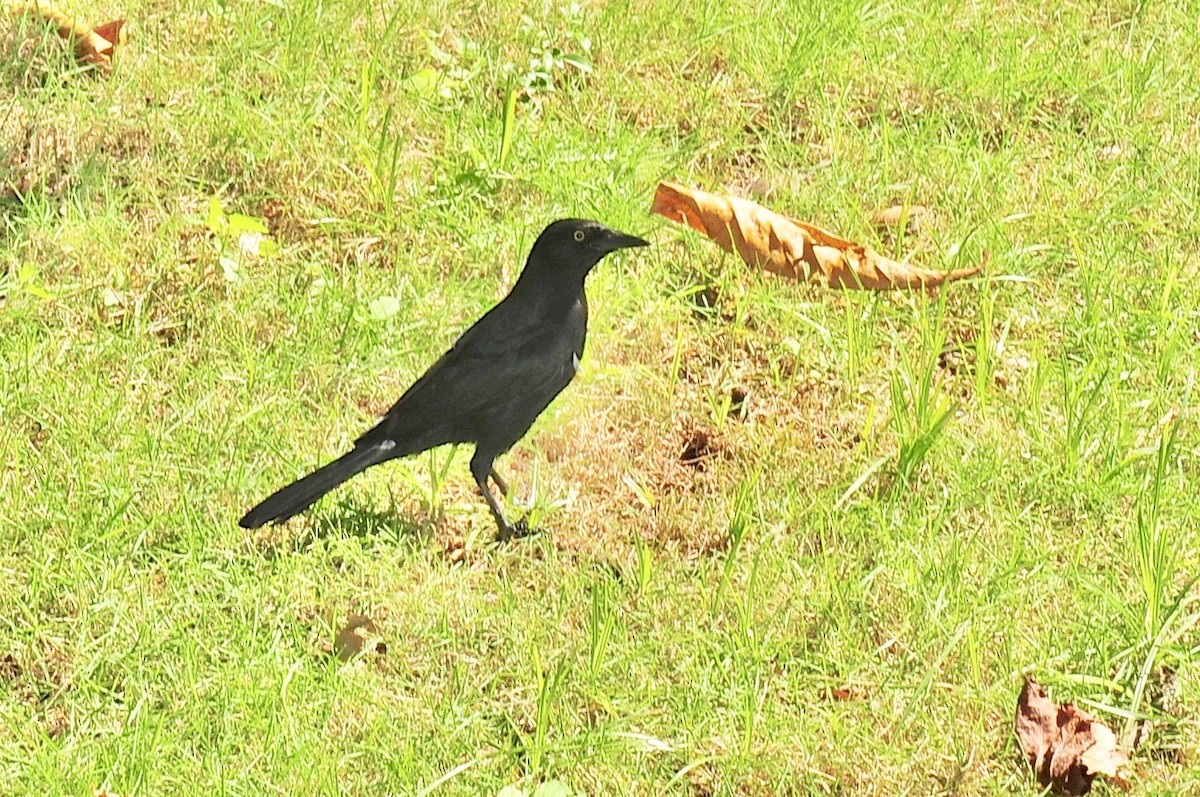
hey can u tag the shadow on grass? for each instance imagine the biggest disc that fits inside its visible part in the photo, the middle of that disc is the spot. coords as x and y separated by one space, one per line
373 528
12 214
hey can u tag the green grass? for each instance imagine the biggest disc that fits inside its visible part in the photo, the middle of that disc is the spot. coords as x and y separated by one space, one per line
917 501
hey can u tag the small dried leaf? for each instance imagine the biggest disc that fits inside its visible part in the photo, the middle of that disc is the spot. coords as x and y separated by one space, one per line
1036 725
97 45
1066 746
792 248
913 217
357 635
1104 756
93 45
847 693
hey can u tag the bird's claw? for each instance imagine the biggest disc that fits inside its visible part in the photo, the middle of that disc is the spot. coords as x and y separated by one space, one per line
518 530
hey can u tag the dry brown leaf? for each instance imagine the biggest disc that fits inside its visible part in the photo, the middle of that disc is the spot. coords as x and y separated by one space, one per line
93 45
913 217
1066 746
789 247
846 693
354 636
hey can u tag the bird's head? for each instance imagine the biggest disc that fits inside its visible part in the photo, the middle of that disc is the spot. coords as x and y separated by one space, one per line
575 245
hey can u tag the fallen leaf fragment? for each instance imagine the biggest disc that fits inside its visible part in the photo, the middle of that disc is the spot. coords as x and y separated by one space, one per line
792 248
846 693
913 218
93 45
1066 746
359 634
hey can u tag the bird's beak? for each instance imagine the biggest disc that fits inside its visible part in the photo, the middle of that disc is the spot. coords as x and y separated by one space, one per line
618 240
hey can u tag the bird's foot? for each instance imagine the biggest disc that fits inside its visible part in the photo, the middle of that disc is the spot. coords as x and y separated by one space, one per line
518 530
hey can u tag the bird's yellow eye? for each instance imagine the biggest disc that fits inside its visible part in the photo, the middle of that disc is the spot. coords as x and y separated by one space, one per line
579 235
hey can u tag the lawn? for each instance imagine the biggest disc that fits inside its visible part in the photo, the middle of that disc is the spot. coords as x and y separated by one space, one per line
801 540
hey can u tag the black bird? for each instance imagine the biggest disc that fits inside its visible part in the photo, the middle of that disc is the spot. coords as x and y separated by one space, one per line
492 384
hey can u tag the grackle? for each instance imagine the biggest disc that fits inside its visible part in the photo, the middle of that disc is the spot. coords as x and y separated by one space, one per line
491 385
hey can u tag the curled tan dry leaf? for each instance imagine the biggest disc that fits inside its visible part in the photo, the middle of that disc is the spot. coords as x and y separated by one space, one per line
358 635
911 217
1066 746
792 248
93 45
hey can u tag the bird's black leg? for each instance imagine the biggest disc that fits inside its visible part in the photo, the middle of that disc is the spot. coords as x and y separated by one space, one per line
500 483
481 468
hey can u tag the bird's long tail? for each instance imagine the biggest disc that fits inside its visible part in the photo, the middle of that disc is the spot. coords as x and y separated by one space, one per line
300 495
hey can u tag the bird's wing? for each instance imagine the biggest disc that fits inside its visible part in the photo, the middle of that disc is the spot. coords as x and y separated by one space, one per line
469 383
